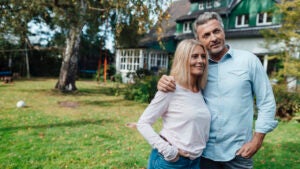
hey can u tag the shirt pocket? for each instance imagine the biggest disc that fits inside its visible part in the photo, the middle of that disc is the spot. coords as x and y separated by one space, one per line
237 81
239 74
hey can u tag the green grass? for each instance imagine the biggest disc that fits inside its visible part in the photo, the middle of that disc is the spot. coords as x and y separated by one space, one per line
93 135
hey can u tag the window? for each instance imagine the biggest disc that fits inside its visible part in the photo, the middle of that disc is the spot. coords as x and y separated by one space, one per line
209 4
129 62
164 61
145 60
123 61
264 18
201 5
217 3
187 27
242 21
158 60
137 63
136 52
152 61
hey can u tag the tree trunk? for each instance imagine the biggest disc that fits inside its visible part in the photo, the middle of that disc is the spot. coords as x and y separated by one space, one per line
69 66
68 70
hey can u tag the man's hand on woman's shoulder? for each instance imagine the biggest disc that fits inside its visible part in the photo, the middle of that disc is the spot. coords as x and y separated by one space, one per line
166 84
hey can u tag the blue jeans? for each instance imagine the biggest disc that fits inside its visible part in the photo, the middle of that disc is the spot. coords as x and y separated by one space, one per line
157 161
237 163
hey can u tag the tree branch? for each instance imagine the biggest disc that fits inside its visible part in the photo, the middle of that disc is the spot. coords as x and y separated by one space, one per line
57 4
97 9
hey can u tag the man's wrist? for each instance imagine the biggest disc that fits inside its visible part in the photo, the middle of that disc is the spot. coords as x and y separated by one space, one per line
258 138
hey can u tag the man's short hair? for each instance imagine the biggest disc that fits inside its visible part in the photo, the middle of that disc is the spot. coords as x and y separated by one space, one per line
205 17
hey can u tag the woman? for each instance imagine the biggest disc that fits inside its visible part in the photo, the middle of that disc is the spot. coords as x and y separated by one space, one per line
186 119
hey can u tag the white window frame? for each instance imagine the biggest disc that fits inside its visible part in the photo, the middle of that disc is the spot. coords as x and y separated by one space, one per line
152 60
129 60
209 4
201 5
146 61
265 17
165 61
243 20
187 27
217 3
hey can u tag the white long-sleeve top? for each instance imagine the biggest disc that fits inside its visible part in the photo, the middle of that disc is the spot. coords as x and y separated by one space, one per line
186 123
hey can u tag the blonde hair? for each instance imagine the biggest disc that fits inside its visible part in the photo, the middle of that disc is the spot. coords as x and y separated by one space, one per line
181 63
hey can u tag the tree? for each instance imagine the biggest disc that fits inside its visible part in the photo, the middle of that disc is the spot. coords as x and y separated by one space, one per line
287 38
70 17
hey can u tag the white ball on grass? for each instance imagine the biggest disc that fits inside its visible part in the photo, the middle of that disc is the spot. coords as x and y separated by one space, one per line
20 104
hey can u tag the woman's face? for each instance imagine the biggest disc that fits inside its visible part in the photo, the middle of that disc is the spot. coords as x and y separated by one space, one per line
198 61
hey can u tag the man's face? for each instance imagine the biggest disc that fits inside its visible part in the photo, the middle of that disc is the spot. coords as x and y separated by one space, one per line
212 36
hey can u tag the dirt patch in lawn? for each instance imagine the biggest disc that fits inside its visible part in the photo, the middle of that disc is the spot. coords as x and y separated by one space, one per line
70 104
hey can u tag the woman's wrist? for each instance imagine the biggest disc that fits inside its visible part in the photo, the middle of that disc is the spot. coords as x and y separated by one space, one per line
176 158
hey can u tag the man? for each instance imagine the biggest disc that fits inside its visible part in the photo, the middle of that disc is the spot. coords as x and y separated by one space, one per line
235 77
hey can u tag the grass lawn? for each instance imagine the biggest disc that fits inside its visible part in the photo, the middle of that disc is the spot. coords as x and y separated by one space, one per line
87 130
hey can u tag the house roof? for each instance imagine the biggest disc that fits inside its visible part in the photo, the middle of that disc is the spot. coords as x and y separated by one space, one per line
180 12
221 11
248 32
176 9
194 15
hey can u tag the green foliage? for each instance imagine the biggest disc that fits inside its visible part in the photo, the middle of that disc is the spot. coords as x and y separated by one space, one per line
97 16
141 73
142 90
287 103
111 70
43 65
118 78
286 40
132 30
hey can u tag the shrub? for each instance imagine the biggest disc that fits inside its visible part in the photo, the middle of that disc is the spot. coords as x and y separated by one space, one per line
117 78
141 73
143 90
287 103
111 70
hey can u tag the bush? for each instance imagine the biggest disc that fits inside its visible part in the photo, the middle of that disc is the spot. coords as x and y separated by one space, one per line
118 78
111 70
287 103
142 90
141 73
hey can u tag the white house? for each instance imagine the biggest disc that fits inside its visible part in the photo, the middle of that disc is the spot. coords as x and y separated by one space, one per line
130 60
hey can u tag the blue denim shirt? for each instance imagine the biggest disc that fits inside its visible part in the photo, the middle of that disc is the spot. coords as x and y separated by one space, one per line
233 82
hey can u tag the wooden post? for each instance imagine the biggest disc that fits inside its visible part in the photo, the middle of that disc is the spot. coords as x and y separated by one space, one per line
99 67
105 67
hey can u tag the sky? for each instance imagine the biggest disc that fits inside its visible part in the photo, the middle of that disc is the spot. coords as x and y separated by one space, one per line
38 27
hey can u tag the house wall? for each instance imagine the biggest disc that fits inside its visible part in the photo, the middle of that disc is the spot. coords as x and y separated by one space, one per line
179 28
254 45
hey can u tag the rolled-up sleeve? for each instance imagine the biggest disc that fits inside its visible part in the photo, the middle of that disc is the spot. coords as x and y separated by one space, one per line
265 101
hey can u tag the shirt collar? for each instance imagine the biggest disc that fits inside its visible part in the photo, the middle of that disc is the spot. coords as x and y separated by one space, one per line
228 55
